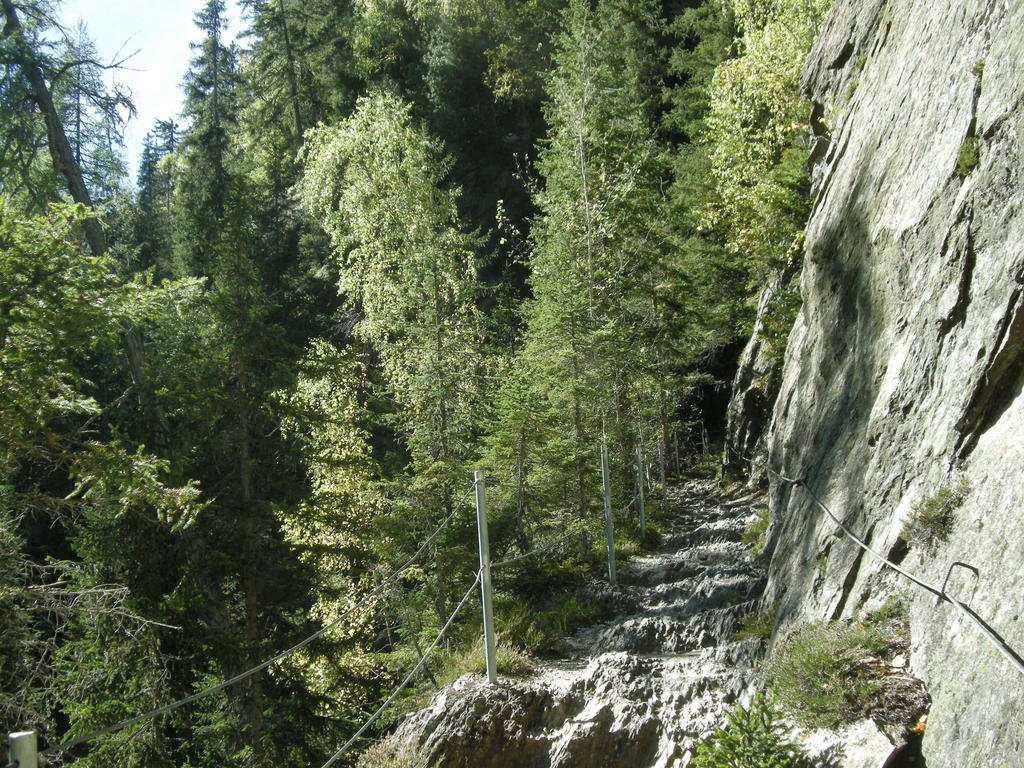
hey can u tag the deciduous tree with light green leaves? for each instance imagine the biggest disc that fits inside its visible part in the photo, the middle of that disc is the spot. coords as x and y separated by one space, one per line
408 268
376 181
758 135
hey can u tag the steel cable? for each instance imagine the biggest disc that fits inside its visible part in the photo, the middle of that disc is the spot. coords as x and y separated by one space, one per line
990 634
64 746
408 679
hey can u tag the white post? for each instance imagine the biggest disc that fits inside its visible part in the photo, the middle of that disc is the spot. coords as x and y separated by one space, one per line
640 491
485 576
608 533
22 749
661 461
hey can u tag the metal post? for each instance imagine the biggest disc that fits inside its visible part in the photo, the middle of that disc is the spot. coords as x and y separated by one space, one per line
485 576
640 491
608 533
661 461
22 749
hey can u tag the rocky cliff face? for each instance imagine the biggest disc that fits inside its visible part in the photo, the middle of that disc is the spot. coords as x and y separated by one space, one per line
904 371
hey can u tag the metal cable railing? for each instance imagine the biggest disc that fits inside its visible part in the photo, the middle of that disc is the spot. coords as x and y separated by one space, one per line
66 745
940 592
408 679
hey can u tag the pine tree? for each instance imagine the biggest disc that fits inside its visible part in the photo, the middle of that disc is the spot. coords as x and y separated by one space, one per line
598 249
206 180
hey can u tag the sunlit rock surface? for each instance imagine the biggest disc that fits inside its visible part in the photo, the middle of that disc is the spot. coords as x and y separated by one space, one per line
639 690
904 371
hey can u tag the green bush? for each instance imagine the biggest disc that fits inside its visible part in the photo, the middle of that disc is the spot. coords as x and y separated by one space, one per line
759 625
822 674
755 535
932 518
968 157
753 737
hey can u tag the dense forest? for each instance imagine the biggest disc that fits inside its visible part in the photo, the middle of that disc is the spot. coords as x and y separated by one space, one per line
386 243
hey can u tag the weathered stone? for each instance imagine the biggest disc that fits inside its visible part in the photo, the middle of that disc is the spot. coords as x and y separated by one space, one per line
642 688
641 691
754 389
904 370
860 745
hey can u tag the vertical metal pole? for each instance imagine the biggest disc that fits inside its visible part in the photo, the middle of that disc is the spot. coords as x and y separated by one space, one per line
608 533
640 491
661 461
23 750
485 576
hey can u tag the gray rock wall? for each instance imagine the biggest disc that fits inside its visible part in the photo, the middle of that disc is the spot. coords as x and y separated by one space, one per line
905 368
754 389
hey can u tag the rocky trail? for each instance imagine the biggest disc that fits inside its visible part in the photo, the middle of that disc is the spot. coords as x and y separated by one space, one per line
637 690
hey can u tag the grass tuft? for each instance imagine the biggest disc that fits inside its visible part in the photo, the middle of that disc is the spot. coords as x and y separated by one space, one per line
828 674
967 158
756 625
755 535
932 519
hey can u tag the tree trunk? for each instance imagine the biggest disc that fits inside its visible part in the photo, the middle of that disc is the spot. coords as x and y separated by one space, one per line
250 564
293 88
63 157
56 139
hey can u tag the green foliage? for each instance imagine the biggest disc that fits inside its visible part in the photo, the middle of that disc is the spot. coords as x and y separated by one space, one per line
92 112
754 737
585 358
822 674
967 157
755 535
62 307
755 127
758 625
933 517
207 165
406 265
330 430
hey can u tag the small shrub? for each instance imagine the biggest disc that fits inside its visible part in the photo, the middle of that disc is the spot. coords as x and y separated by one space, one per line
626 547
967 159
894 610
756 625
822 674
384 754
519 625
541 629
512 662
570 614
753 737
932 518
652 536
755 535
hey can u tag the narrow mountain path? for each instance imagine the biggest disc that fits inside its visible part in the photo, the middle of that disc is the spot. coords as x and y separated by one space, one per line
635 691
